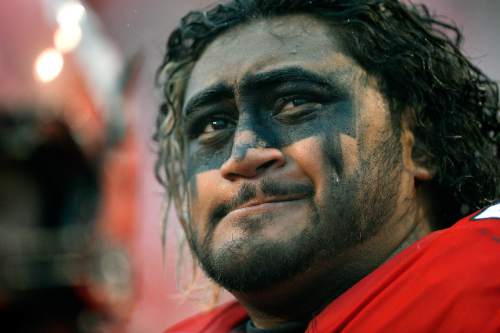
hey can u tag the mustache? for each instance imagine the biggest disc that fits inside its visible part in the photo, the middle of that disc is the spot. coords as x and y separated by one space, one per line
268 187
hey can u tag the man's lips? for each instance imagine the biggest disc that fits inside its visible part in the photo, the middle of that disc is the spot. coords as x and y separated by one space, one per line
268 196
256 205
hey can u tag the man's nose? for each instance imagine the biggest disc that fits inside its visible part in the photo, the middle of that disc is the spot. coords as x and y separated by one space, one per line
251 157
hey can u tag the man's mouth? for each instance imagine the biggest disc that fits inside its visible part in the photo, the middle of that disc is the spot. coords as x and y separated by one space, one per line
272 195
259 202
264 205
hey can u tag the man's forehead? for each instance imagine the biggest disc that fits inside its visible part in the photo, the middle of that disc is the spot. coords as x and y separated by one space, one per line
266 44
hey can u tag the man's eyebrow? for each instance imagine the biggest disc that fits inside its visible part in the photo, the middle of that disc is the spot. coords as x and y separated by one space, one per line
209 95
293 73
223 90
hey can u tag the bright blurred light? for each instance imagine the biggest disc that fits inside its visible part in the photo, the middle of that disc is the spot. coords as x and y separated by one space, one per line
67 37
48 65
70 13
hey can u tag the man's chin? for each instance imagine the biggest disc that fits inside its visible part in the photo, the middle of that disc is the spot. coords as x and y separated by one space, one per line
247 265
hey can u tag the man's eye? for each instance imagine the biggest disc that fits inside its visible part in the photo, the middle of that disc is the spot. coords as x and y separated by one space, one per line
209 128
293 103
296 108
215 124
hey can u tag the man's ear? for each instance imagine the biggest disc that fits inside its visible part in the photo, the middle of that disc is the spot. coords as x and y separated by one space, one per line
416 163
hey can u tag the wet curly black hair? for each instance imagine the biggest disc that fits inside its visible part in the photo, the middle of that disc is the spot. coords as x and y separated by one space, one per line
418 61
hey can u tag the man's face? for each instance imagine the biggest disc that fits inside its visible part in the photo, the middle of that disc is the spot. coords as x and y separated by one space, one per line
291 159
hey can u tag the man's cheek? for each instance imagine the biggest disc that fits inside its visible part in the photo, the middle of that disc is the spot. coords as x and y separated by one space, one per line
200 160
202 191
313 155
349 151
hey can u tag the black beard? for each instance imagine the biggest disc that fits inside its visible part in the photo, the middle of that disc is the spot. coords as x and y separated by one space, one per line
353 212
251 264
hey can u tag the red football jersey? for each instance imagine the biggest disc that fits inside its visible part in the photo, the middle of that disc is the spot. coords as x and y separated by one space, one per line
447 282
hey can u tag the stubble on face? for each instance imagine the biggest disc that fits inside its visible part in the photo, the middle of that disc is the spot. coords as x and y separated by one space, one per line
349 213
